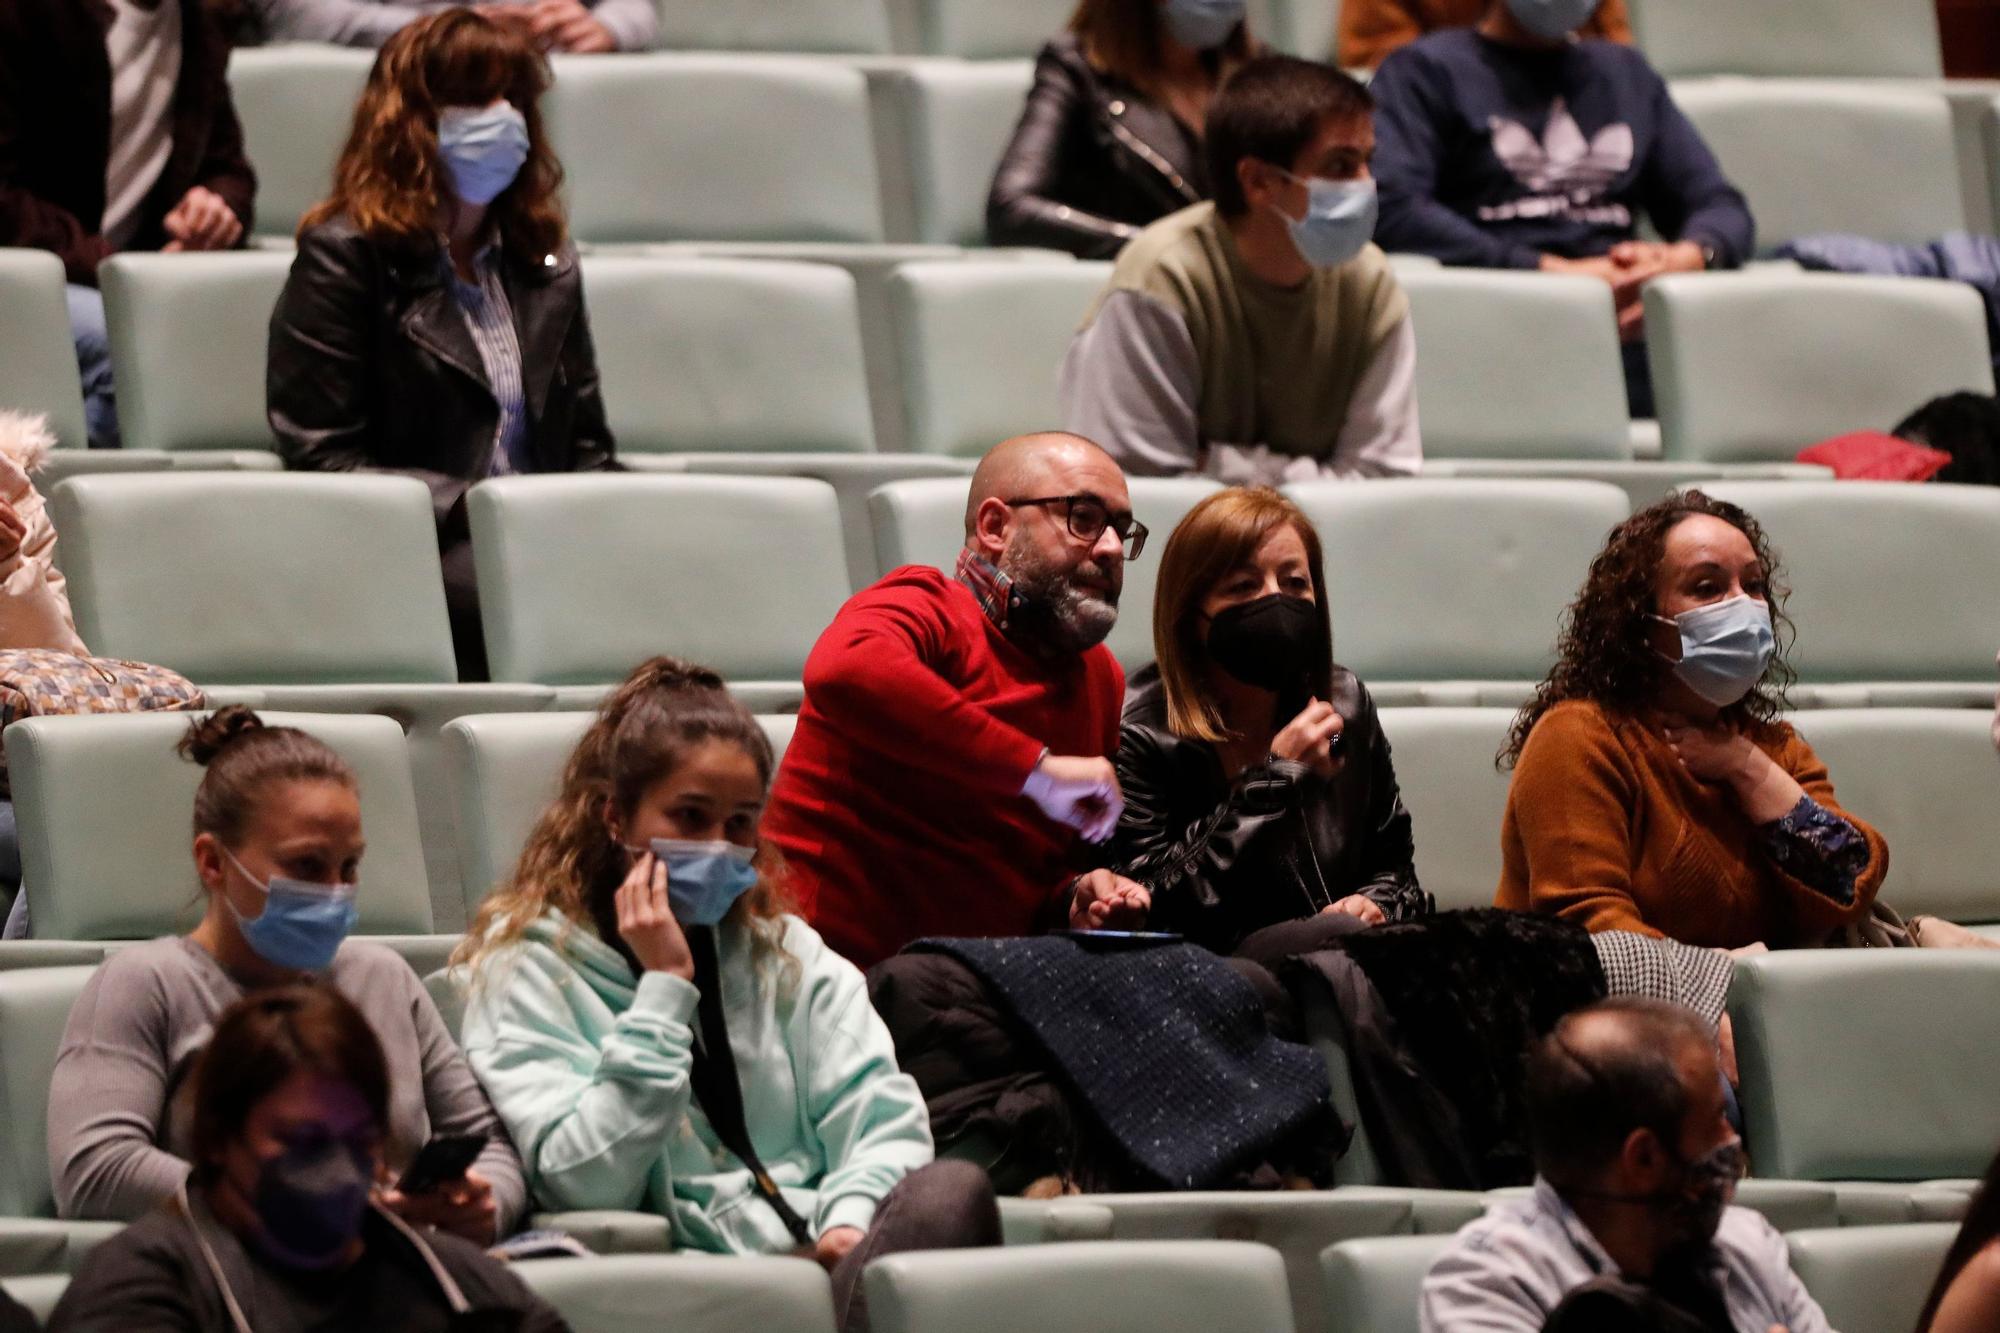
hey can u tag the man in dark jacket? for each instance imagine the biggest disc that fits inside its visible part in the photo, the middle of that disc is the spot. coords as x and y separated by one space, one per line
116 133
1516 145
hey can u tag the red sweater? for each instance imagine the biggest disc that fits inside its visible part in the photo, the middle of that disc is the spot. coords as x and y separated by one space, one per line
898 804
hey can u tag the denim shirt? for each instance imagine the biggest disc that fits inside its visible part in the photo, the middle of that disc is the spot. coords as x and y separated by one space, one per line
1507 1272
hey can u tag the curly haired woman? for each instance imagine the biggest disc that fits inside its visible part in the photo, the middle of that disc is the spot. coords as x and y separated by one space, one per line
433 324
1654 788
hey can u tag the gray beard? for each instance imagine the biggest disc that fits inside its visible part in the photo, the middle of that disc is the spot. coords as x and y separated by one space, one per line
1055 615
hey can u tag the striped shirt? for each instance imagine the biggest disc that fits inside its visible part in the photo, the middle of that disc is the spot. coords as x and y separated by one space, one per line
490 318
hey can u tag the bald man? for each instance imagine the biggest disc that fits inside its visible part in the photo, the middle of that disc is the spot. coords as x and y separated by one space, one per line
951 768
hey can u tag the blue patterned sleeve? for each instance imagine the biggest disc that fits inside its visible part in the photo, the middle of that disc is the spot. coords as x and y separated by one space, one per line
1818 848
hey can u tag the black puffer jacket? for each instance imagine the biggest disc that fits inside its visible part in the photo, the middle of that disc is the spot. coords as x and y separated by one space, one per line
1226 857
1091 162
372 367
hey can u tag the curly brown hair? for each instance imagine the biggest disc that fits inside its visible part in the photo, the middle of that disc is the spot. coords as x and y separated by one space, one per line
1602 654
642 732
390 181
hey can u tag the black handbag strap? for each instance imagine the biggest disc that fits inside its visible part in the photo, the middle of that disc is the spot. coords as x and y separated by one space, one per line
715 1083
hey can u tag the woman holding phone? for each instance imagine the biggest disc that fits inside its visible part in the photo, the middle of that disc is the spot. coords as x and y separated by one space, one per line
278 845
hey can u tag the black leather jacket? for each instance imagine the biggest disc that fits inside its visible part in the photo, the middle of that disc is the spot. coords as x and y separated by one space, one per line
372 367
1091 162
1224 858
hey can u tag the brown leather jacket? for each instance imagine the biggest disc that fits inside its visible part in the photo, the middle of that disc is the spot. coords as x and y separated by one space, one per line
1371 29
372 367
55 130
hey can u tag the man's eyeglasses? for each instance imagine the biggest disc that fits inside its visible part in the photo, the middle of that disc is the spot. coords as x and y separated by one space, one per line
1090 516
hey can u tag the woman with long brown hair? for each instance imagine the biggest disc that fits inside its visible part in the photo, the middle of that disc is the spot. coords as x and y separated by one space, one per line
1111 137
434 324
1655 789
662 1034
1258 787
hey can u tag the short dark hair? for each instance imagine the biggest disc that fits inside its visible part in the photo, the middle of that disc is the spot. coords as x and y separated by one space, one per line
1270 109
1583 1106
261 1041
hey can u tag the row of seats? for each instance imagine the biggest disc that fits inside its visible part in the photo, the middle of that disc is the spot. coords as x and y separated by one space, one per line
1518 374
873 151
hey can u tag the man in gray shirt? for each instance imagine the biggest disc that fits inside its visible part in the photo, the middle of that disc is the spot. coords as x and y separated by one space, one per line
573 27
1630 1223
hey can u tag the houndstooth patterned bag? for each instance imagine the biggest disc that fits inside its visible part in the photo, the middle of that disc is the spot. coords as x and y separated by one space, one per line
42 682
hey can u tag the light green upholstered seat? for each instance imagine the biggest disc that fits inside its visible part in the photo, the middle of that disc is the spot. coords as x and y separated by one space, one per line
296 103
505 770
1373 1285
189 336
1871 1279
982 30
1827 39
1807 1021
1785 1204
38 1292
957 118
687 1293
1298 1224
1114 1287
1869 1203
610 1231
1892 588
1492 564
923 523
690 349
1473 364
1755 366
583 577
1456 797
831 26
37 354
1642 480
655 148
978 345
103 804
1928 781
1811 157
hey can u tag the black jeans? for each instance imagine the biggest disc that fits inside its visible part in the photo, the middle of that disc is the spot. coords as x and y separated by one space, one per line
943 1206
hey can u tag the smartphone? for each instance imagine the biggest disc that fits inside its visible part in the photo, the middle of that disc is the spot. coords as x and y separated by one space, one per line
1123 939
443 1160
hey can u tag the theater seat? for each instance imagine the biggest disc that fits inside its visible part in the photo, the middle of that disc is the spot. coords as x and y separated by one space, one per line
1755 366
660 147
34 1006
1374 1284
1456 796
1843 39
957 117
923 523
1807 1021
1113 1287
1800 151
1892 593
859 27
38 1293
688 1293
1472 364
296 103
1926 778
189 336
1787 1205
38 372
979 343
982 30
103 804
583 577
1492 564
1871 1279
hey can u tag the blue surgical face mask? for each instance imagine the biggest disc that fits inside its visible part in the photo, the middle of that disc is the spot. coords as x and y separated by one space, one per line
704 879
1202 24
302 923
1339 220
1552 20
1725 647
483 149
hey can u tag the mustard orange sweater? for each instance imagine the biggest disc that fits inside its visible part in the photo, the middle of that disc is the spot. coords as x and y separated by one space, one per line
1606 829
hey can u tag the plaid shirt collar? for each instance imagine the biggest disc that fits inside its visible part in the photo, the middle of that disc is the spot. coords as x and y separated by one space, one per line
994 590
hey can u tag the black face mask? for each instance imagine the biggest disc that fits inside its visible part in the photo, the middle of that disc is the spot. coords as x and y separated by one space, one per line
1267 643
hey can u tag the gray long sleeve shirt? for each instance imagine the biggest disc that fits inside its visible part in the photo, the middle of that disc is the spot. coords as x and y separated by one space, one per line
633 24
119 1103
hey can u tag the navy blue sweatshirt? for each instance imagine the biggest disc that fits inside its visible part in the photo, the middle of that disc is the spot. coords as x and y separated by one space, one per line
1491 156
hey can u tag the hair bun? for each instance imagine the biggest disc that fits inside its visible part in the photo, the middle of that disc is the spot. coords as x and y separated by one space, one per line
209 736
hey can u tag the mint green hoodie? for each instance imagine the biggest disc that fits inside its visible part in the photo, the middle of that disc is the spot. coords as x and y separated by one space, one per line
589 1068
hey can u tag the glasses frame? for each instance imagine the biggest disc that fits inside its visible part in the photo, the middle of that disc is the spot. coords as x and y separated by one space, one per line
1132 536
